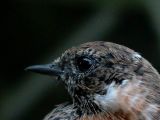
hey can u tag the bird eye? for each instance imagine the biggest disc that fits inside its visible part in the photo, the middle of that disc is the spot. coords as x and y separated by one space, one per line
84 63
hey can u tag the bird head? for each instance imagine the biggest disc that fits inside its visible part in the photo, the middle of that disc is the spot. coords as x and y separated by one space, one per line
94 72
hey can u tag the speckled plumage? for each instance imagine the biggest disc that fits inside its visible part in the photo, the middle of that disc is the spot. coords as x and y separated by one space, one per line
107 81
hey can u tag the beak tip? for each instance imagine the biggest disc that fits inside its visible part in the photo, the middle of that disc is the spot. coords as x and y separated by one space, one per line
27 69
33 68
44 69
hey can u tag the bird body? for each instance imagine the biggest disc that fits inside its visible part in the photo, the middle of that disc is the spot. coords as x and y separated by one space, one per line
106 81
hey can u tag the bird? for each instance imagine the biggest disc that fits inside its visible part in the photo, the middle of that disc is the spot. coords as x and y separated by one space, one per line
106 81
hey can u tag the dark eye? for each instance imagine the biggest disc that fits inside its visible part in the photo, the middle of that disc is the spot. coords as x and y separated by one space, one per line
84 63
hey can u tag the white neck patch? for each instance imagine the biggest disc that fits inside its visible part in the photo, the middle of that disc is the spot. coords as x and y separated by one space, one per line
109 101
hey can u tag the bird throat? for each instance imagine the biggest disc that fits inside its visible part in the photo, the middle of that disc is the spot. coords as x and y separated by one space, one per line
84 103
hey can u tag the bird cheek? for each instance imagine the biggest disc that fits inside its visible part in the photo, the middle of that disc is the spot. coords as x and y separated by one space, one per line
92 82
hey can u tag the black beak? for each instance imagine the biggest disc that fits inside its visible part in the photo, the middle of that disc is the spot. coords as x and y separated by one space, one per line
48 69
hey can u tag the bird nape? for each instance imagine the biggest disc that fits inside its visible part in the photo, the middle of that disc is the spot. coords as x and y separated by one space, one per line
106 81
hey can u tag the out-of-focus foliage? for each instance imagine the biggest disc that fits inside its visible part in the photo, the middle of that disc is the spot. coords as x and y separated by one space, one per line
40 30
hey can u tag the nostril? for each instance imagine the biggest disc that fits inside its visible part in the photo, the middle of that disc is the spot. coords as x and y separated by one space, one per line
51 65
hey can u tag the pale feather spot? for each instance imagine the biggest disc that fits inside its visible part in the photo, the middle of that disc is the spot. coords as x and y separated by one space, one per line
136 57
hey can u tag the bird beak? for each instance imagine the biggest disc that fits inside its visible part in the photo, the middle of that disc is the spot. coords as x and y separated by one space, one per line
47 69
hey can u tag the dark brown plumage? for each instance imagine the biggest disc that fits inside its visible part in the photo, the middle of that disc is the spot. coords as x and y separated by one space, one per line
106 81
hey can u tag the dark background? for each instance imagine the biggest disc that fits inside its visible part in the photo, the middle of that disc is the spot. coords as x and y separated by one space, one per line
40 30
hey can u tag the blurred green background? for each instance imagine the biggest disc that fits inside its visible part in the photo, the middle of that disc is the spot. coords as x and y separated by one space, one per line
38 31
